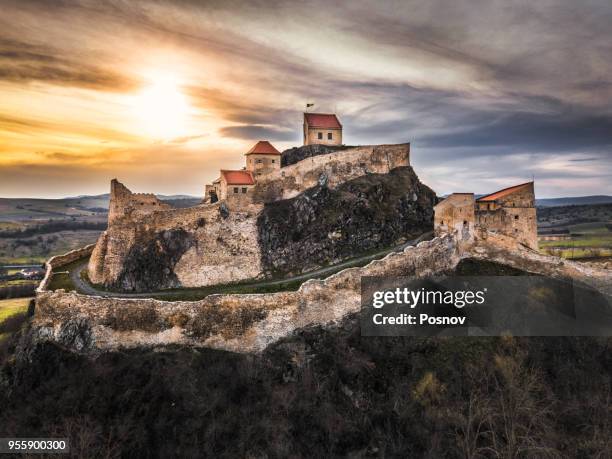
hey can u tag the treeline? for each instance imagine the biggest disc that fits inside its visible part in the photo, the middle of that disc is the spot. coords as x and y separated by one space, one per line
53 226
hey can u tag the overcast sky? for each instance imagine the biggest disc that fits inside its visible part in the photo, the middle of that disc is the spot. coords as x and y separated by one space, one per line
161 94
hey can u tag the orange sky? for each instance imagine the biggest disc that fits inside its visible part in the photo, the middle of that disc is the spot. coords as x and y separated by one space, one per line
163 94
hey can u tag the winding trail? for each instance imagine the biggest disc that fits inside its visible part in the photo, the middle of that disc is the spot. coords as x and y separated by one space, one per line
88 289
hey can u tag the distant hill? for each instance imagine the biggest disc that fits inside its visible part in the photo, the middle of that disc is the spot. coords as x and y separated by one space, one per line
81 207
574 201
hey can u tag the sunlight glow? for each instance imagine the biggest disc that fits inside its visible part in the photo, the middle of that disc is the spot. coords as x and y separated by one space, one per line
161 109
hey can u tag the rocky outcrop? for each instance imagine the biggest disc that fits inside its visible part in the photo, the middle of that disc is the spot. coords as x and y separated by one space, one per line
323 226
150 264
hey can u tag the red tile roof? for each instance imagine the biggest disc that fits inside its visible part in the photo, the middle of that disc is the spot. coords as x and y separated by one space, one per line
504 192
237 177
322 120
263 147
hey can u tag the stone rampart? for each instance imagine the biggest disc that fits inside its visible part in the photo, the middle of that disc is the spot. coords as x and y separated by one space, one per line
334 168
62 260
248 323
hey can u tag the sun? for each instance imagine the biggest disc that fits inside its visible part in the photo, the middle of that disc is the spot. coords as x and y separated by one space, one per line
161 109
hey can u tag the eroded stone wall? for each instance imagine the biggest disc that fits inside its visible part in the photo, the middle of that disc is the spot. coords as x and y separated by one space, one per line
195 246
248 323
335 168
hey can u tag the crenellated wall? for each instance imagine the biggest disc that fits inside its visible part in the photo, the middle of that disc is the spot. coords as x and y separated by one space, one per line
124 203
187 247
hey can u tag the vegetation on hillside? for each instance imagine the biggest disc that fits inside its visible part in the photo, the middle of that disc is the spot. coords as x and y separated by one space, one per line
323 393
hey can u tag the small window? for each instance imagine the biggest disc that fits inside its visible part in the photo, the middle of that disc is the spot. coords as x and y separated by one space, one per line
235 189
320 135
441 222
244 190
464 222
259 161
516 217
272 161
329 136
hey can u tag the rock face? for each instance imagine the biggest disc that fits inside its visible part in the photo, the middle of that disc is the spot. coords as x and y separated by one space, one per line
150 264
322 225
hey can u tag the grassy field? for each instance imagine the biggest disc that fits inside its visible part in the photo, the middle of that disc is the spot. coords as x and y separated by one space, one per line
587 240
13 306
10 308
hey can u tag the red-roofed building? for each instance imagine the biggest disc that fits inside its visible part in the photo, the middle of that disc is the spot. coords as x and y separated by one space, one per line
510 211
322 128
263 158
237 177
501 195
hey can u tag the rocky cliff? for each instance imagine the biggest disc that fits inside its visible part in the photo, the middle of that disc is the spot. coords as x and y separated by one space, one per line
322 225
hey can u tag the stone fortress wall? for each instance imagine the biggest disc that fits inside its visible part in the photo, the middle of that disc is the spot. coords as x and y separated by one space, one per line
455 215
218 241
125 203
335 168
62 260
221 246
248 323
512 213
514 216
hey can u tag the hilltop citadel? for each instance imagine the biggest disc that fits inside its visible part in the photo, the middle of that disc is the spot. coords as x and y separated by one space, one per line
303 209
230 236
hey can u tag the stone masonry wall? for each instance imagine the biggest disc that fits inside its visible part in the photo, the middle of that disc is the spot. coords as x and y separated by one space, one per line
248 323
168 248
516 217
337 167
62 260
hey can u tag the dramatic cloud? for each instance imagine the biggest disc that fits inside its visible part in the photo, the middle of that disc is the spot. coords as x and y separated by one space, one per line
23 63
487 92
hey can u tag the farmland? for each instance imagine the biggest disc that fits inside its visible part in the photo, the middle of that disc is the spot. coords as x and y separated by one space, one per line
586 230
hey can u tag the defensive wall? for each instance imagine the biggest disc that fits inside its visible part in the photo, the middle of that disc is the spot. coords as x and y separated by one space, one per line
335 168
248 323
62 260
